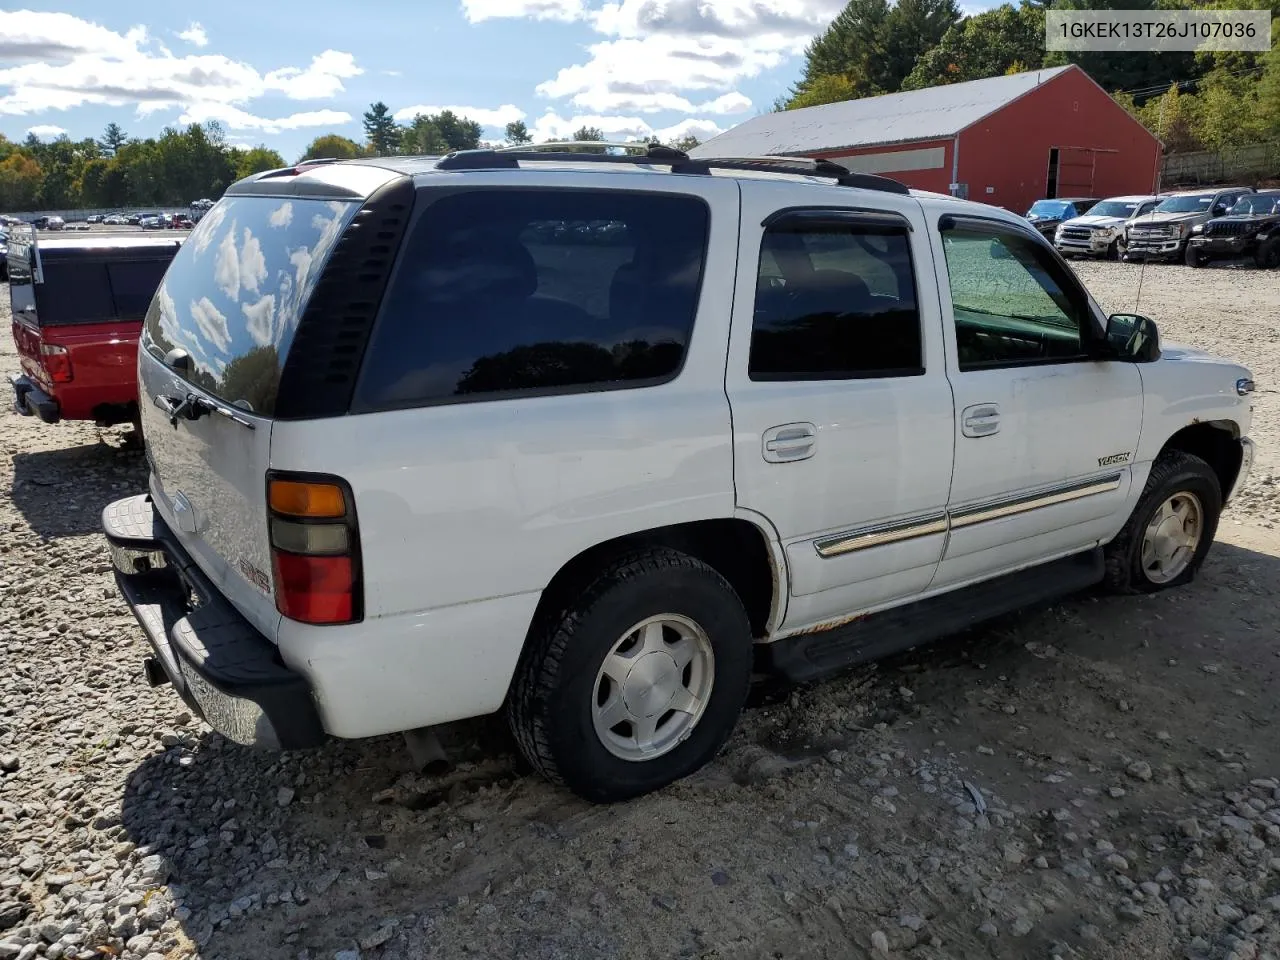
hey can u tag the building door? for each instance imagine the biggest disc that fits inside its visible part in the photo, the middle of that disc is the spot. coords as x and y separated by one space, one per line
1051 181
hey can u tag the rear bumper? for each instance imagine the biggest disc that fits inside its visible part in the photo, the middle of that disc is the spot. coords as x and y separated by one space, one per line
30 401
219 664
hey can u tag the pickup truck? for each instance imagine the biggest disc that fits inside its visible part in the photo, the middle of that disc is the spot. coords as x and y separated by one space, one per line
78 304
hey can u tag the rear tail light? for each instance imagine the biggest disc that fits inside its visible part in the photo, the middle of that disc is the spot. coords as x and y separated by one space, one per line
315 549
57 362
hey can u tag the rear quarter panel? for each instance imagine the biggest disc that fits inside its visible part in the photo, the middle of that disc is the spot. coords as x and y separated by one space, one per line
104 365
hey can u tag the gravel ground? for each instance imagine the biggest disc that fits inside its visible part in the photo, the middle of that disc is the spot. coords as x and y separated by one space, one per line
1095 779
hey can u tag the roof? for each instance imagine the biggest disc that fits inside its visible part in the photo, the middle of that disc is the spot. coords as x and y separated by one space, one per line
929 114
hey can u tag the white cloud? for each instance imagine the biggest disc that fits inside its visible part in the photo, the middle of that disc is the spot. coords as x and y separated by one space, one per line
202 236
282 215
55 61
226 268
46 131
552 126
253 265
195 35
258 319
211 323
236 119
657 54
486 117
477 10
702 129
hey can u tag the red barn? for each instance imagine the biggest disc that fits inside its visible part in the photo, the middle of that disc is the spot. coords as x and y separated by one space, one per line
1007 140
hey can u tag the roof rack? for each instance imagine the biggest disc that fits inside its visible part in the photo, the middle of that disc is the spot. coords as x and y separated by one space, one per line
510 158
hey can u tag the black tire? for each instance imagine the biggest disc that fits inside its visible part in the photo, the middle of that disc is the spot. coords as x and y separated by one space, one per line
1173 472
1192 257
553 693
1114 252
1267 256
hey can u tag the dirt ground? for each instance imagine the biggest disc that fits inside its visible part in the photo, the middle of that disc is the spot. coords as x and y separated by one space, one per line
1094 779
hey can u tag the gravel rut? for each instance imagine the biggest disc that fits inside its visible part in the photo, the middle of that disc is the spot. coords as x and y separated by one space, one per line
1091 779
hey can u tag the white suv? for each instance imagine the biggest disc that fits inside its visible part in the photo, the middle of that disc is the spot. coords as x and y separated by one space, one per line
590 439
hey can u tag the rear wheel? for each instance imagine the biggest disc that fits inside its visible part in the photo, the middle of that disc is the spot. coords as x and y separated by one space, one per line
1171 530
638 683
1267 256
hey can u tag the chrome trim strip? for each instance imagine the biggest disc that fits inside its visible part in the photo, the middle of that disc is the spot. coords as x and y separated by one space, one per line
881 534
996 509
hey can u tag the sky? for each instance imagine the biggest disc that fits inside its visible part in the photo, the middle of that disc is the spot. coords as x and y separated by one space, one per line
281 74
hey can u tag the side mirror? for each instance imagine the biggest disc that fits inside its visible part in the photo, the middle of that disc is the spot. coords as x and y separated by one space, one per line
1133 338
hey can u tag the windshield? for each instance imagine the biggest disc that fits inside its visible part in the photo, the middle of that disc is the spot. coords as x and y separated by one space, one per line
1185 204
1256 203
1115 208
1049 208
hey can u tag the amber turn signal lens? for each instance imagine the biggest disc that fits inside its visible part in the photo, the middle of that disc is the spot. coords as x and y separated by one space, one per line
294 499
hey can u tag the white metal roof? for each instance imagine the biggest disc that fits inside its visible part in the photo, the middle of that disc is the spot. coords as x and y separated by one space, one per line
928 114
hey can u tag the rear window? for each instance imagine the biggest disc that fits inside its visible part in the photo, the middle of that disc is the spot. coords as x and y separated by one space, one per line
237 288
74 292
513 292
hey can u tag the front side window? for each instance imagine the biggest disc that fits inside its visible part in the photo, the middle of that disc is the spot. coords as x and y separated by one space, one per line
518 292
1010 306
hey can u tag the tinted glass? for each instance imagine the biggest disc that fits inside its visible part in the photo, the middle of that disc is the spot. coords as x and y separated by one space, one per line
1009 306
1114 208
1184 204
1049 208
237 288
1254 203
134 283
834 302
514 291
74 293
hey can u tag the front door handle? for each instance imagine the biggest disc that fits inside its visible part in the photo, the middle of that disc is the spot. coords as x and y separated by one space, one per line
980 420
790 442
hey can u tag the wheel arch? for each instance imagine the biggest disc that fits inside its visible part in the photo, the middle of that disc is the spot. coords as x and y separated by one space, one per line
1217 443
743 551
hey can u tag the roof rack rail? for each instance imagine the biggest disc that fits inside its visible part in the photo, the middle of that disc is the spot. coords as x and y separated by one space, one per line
510 158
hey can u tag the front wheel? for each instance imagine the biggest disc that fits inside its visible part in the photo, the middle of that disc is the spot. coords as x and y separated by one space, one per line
1169 533
638 683
1193 258
1267 256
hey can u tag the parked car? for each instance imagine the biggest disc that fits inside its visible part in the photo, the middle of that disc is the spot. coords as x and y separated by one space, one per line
180 221
1163 233
4 254
156 222
78 304
1250 229
54 223
114 220
1045 215
1100 232
626 475
94 218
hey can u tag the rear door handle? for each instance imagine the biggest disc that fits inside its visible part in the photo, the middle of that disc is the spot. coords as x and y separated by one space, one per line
790 442
980 420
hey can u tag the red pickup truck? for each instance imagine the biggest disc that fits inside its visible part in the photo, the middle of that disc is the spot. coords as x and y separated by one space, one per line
78 305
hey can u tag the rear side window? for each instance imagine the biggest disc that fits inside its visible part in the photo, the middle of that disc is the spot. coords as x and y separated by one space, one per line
74 292
133 284
235 291
516 292
835 301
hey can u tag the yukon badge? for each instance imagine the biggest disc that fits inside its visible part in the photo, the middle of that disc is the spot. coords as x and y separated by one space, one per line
1113 459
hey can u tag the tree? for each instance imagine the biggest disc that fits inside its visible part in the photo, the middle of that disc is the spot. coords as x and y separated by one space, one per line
1173 118
588 133
332 146
873 45
687 142
986 45
458 132
518 133
381 129
422 138
833 88
113 138
257 160
20 180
